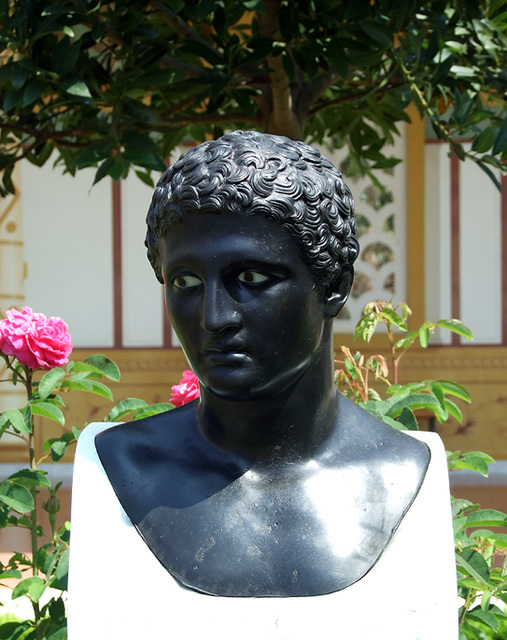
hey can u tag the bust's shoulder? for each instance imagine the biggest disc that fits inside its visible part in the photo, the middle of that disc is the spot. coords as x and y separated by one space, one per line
129 447
362 435
171 422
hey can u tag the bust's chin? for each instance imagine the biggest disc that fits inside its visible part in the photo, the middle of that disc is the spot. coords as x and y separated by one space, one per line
243 386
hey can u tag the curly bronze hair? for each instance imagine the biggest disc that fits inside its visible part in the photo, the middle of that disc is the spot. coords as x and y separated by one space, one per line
251 173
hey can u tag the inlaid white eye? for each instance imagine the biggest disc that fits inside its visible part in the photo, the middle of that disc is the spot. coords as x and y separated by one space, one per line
186 282
252 277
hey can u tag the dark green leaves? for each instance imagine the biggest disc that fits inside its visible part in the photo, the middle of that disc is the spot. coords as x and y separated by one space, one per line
80 79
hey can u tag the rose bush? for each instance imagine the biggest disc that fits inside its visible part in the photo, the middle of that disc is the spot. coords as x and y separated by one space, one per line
186 391
35 341
29 342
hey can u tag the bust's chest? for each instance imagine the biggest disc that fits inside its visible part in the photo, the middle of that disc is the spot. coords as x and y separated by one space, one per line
287 533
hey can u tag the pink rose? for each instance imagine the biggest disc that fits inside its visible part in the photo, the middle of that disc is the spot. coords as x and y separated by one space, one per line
186 391
36 341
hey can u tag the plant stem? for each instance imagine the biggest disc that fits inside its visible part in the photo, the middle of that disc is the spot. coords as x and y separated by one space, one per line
466 605
394 362
33 491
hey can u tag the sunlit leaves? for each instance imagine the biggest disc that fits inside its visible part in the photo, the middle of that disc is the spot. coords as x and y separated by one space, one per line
480 551
16 496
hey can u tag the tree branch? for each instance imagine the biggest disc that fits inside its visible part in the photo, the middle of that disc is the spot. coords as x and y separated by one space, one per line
313 90
353 97
282 119
171 62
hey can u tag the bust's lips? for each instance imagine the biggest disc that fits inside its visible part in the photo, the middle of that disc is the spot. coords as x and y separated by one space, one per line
224 354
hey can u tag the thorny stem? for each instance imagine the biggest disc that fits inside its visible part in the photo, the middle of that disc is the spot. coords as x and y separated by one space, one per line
33 491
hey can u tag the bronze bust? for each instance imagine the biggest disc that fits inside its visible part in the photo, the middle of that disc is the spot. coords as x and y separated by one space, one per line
272 483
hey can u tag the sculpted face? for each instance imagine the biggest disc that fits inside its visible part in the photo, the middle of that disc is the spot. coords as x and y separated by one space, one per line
242 302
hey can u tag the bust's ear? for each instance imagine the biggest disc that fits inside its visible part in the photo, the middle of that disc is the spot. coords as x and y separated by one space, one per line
337 292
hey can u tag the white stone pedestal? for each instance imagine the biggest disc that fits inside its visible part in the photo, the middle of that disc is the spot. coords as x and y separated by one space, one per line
119 591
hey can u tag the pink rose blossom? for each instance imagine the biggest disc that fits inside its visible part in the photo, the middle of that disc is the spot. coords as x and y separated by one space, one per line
36 341
186 391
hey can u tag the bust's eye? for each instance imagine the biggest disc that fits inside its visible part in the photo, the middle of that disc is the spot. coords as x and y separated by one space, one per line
186 282
252 277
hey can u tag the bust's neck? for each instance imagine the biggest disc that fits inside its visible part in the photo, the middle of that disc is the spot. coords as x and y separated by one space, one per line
289 426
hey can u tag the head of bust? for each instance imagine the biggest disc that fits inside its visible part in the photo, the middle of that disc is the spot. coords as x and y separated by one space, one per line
246 173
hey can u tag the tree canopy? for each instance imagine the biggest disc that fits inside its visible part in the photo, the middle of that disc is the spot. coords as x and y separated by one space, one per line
118 84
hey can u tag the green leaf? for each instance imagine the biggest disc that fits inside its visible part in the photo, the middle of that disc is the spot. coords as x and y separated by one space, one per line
393 423
485 600
12 99
104 169
486 518
145 177
100 389
474 464
474 460
31 478
16 497
62 571
501 138
414 402
392 317
17 420
18 630
486 617
452 408
455 389
484 140
10 573
475 565
457 327
33 91
107 366
50 381
424 335
19 74
57 611
33 586
124 407
94 154
153 409
436 388
408 419
57 634
58 449
407 340
77 88
47 410
58 446
78 385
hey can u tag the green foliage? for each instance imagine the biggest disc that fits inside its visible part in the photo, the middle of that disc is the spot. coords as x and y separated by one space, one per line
47 567
481 551
118 85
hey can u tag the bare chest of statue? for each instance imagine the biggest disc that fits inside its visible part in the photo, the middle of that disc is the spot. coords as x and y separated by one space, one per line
300 529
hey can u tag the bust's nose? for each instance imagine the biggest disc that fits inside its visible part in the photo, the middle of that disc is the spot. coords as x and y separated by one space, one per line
219 309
